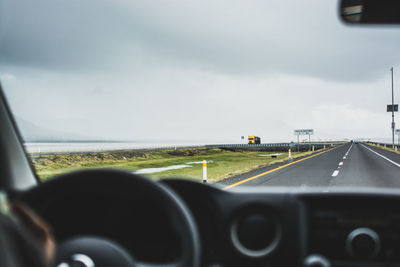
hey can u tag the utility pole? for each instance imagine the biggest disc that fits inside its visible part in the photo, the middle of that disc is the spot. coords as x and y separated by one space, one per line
393 125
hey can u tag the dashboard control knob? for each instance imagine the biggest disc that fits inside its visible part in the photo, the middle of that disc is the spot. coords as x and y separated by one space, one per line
363 243
316 261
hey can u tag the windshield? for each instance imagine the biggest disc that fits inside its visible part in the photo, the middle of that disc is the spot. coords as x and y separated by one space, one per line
256 93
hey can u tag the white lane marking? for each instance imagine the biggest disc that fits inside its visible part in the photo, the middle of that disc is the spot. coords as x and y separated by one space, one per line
336 172
349 149
391 161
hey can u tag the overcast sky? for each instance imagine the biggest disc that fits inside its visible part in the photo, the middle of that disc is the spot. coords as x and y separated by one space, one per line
196 70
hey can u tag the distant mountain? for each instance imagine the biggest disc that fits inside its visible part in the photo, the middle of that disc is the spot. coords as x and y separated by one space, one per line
33 133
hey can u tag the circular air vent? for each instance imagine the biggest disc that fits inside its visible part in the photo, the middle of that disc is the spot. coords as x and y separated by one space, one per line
256 234
363 243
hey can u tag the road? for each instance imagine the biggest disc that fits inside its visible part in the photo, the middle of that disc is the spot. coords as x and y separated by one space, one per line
346 165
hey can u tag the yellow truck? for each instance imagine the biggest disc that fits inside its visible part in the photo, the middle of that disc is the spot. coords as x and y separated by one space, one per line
254 140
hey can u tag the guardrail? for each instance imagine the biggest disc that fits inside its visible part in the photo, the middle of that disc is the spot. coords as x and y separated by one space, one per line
388 145
276 146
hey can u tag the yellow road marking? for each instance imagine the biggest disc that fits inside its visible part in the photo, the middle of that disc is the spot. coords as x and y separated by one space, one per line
273 170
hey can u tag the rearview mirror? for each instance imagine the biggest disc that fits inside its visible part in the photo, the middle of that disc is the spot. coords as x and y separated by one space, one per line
370 11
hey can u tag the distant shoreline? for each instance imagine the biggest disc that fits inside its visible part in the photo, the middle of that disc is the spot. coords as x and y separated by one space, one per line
54 148
79 141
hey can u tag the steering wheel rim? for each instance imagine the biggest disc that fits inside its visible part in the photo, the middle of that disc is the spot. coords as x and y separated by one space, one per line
122 183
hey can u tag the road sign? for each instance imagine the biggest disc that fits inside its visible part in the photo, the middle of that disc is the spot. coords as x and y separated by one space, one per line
397 131
304 132
389 108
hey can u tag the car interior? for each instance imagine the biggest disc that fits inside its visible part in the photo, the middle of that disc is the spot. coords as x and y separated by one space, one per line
108 217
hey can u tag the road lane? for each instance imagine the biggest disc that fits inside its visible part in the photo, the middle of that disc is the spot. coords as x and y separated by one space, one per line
344 166
392 155
366 168
298 173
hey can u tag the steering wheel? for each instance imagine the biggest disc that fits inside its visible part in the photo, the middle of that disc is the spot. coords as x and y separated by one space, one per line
98 251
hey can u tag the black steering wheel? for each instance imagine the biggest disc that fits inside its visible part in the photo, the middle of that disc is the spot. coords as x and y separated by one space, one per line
111 193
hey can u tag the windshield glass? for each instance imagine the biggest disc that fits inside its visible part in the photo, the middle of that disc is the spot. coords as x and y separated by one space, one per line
270 93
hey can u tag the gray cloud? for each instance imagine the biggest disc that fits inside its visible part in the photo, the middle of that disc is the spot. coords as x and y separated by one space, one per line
205 69
237 37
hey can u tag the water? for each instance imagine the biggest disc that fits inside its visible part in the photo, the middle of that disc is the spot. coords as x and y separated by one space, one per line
65 147
161 169
172 167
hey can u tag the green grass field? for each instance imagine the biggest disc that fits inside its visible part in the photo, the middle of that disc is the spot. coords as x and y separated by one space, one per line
222 163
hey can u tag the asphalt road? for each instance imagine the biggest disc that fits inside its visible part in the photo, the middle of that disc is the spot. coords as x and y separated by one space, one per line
346 165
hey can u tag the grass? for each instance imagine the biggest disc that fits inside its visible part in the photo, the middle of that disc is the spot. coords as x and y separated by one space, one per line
222 163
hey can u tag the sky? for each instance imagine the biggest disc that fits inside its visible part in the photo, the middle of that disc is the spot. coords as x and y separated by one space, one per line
196 70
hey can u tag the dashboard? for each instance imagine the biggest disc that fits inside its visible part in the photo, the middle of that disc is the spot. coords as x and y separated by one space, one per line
248 226
294 227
